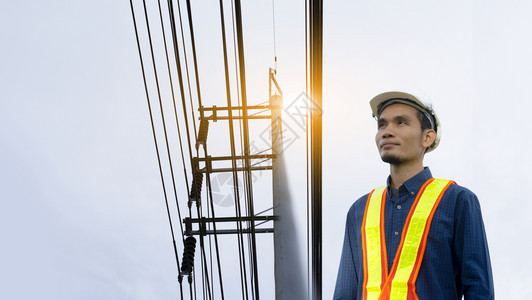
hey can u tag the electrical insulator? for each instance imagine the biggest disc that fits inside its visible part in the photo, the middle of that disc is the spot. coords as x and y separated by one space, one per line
195 190
202 135
187 264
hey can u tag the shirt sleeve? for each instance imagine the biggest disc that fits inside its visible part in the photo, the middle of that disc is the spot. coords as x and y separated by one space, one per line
346 282
471 249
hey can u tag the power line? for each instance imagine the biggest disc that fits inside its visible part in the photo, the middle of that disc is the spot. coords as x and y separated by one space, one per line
186 68
193 43
156 145
239 208
238 14
179 74
214 228
233 159
185 114
161 107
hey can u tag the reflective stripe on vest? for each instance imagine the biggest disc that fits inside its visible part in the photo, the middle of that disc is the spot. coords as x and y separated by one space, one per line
373 245
400 283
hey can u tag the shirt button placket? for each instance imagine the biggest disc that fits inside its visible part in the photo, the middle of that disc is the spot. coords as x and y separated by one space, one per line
396 222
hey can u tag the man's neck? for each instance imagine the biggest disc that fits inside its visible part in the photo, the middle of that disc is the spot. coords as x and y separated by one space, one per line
401 173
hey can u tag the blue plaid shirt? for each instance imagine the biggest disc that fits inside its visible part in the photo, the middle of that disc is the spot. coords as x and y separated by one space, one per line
456 262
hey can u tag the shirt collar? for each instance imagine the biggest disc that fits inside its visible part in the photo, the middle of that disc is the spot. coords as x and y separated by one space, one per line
414 183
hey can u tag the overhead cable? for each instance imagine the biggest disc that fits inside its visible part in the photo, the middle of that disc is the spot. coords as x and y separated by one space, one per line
156 145
186 68
236 193
242 69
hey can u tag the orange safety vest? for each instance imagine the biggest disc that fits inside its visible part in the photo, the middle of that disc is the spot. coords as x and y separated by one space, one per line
400 283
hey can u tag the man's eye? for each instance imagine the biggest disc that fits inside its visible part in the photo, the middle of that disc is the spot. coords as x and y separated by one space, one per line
402 123
380 125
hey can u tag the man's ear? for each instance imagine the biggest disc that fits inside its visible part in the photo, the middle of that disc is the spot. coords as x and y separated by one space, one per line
429 136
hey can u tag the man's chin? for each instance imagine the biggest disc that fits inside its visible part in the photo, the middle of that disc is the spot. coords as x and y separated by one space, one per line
391 159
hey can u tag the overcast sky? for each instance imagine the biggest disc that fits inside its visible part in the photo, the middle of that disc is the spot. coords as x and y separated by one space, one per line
82 210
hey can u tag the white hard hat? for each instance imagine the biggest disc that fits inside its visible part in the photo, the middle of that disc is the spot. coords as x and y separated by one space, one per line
413 101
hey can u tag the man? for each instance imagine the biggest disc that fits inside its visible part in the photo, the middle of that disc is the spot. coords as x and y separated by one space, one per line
417 237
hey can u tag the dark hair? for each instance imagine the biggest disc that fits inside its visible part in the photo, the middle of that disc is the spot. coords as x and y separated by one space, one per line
425 123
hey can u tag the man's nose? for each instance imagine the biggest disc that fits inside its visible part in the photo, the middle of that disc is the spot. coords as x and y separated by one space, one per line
387 132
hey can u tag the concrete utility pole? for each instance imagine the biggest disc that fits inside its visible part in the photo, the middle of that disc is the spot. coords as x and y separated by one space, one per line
289 275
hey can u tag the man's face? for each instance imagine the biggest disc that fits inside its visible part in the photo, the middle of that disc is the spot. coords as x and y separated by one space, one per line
399 137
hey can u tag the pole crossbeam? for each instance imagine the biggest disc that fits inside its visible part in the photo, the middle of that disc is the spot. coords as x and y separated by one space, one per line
219 158
229 231
227 219
259 107
223 170
202 223
215 117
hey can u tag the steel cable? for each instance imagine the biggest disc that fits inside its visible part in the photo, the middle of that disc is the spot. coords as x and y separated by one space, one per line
240 42
233 160
214 228
162 111
156 146
205 277
186 68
